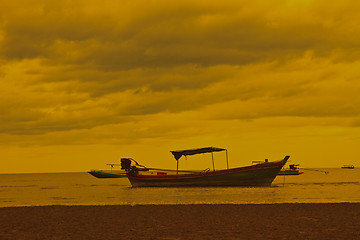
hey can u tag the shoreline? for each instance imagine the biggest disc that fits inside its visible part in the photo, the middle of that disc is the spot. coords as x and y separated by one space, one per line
183 221
175 204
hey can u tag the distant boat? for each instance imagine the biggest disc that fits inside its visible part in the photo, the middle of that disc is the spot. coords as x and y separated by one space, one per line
292 170
108 173
261 174
348 166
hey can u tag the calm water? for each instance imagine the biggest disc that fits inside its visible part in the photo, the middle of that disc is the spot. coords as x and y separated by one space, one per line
340 185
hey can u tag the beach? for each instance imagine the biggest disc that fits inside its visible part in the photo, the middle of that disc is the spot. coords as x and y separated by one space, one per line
195 221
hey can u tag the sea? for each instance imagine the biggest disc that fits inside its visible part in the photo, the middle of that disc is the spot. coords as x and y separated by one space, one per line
41 189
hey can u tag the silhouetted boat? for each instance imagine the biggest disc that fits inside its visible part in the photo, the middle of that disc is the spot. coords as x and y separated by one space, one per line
107 173
292 170
348 166
261 174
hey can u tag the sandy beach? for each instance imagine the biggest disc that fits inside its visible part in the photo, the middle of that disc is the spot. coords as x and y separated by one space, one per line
259 221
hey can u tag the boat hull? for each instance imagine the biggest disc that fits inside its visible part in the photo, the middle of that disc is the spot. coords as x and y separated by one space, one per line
103 174
348 167
290 172
256 175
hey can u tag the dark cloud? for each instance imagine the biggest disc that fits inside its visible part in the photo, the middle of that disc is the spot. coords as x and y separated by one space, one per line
81 65
168 35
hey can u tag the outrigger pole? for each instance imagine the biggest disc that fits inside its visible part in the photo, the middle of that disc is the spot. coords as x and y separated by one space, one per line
112 165
316 170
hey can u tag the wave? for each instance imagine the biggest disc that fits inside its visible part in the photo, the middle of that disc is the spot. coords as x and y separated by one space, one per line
17 186
62 198
318 183
50 188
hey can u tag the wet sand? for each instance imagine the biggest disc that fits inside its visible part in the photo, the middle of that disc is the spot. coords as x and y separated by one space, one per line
265 221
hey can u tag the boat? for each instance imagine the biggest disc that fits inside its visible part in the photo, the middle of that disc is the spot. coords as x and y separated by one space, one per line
261 174
348 166
108 173
292 170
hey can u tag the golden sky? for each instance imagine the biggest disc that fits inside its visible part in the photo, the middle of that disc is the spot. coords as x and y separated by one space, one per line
83 83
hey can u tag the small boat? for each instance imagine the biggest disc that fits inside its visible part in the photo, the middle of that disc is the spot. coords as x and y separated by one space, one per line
261 174
348 166
292 170
108 173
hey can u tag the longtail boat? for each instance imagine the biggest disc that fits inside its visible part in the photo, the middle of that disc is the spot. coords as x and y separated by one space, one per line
108 173
348 166
261 174
292 170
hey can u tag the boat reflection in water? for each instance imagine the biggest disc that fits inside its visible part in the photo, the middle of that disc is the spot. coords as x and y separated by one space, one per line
261 174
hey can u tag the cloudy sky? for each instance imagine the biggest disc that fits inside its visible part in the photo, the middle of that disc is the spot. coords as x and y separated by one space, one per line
83 83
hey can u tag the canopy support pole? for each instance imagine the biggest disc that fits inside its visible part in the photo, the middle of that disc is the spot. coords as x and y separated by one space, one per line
227 159
177 166
212 157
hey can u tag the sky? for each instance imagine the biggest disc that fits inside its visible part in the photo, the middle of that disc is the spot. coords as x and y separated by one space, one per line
84 83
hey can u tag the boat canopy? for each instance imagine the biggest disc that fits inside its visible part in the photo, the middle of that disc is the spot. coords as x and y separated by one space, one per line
179 154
